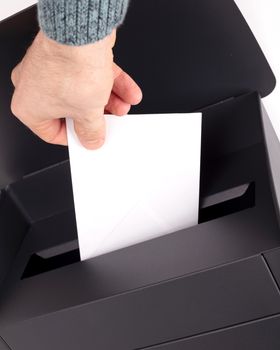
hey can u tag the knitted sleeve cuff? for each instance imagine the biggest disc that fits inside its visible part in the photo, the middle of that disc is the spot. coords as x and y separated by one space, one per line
80 22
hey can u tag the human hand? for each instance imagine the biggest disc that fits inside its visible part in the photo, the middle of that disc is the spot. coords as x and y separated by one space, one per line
54 81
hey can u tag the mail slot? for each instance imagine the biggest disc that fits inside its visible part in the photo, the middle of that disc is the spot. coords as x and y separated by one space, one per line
68 253
207 286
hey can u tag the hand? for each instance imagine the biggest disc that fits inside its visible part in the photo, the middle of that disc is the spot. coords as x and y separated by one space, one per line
55 81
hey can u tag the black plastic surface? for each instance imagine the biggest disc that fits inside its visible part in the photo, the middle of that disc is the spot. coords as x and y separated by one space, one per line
231 206
60 256
185 57
190 54
273 150
3 345
44 194
68 297
259 335
157 314
13 229
38 265
219 241
208 282
273 260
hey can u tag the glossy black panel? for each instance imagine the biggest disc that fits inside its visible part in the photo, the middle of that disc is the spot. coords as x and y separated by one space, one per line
179 308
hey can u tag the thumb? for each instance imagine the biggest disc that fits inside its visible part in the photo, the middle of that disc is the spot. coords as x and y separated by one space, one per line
91 130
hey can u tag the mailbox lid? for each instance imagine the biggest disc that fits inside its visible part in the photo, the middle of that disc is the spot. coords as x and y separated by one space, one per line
190 54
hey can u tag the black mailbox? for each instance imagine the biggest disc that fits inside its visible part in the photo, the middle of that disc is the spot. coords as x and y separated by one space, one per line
212 286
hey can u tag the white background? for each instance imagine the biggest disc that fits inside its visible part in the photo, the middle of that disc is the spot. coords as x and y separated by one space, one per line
261 15
10 7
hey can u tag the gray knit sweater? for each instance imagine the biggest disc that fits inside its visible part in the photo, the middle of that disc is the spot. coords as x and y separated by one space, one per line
79 22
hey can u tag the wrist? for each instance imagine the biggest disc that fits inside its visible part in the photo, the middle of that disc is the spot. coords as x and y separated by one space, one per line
94 54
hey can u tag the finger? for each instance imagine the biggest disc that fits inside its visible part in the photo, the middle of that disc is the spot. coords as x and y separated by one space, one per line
117 106
15 75
91 130
125 87
48 129
51 131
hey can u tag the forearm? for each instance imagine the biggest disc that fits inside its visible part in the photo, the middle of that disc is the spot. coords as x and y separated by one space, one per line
80 22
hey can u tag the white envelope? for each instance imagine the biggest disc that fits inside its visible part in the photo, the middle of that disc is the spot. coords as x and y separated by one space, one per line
143 183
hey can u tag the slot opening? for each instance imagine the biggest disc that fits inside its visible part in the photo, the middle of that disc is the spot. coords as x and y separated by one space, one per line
228 202
52 259
212 207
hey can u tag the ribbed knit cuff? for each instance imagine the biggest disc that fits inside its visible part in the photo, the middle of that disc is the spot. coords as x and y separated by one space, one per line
80 22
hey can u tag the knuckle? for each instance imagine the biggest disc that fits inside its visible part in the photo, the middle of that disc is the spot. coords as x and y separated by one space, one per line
117 71
45 132
15 74
91 121
15 108
90 135
13 78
